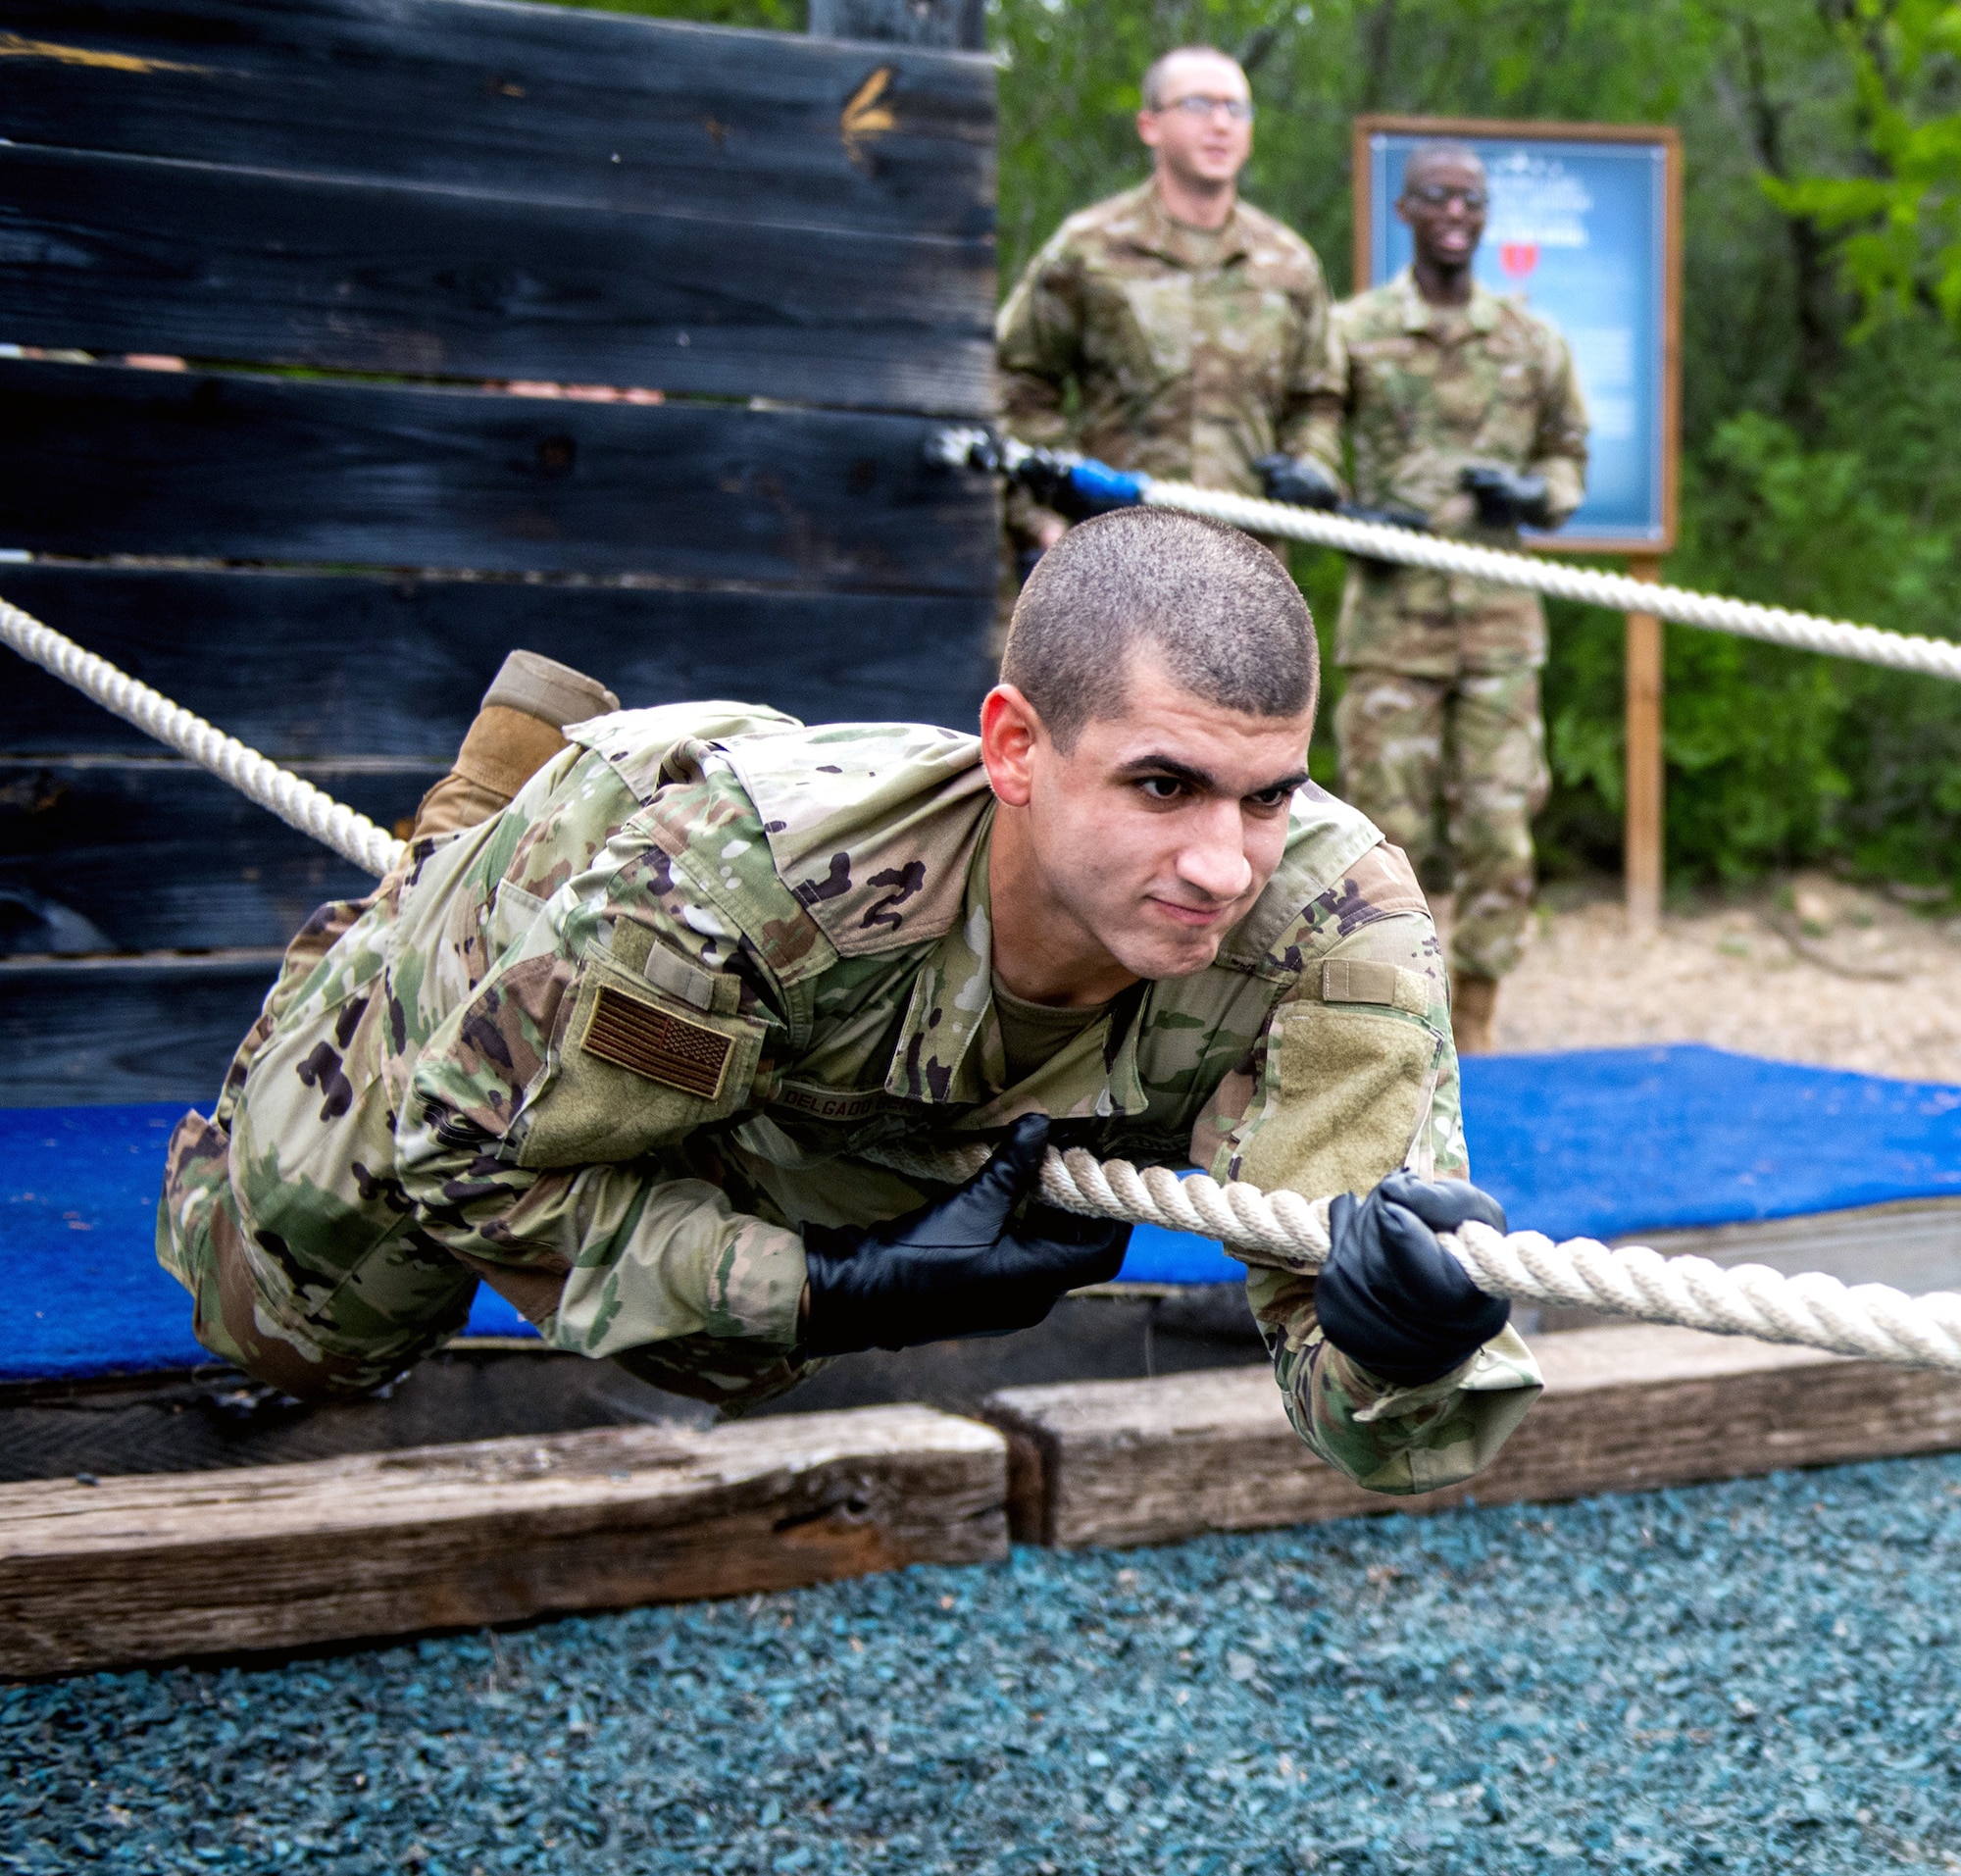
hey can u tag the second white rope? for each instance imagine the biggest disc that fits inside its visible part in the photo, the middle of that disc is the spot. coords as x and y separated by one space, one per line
1740 618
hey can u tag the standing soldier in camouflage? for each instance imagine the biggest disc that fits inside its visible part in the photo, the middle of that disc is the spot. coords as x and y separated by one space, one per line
728 1045
1191 329
1464 406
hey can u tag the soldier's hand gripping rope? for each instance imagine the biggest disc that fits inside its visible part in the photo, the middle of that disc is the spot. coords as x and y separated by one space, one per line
1299 481
1389 1294
987 1259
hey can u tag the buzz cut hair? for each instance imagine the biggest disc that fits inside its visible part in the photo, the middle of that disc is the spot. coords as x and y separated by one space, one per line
1215 606
1438 150
1151 90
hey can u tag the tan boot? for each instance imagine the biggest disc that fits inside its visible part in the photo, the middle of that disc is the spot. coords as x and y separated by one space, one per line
519 727
1474 1003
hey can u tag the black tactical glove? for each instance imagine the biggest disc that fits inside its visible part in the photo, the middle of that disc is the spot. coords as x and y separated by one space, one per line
957 1268
1298 480
1505 498
1390 1295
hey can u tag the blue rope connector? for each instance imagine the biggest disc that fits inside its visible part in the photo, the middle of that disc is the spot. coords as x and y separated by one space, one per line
1102 486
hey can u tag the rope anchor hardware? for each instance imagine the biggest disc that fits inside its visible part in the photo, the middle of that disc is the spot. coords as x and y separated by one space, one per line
1282 1228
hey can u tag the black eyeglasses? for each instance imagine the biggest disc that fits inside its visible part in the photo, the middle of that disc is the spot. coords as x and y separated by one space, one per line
1197 105
1433 195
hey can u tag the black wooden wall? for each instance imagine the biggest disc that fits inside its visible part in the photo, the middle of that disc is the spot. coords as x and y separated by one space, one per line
359 221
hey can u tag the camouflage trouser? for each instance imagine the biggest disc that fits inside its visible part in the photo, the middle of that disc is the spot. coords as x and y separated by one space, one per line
1474 746
316 1314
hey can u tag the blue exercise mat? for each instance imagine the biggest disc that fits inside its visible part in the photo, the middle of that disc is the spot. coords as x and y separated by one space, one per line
78 1193
1598 1142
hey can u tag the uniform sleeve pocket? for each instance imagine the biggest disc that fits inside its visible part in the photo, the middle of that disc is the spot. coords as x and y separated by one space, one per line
514 913
1347 1085
635 1068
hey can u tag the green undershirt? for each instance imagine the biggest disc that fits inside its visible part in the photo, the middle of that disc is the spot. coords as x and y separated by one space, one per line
1035 1034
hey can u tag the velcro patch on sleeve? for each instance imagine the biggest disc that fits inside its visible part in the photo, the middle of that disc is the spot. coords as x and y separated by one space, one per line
664 1048
1362 980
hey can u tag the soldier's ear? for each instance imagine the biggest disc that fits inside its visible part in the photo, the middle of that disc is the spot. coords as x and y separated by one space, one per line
1010 729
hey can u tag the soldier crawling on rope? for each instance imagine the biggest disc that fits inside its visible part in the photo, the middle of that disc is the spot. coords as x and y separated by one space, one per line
683 1028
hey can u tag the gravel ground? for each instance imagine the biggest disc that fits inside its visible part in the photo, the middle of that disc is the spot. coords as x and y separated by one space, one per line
1813 970
1749 1677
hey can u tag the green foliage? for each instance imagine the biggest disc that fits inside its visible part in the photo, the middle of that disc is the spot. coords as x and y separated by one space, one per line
1902 228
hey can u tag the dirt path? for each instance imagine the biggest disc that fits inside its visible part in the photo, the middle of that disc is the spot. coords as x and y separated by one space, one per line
1814 971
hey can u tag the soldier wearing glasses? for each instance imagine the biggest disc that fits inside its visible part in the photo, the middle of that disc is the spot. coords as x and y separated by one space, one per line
1191 329
1462 405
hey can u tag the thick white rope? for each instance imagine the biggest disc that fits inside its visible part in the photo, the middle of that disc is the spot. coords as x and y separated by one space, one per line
296 802
1280 1228
1262 1228
1369 540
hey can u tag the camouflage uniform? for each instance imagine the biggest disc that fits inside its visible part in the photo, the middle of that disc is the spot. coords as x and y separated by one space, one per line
1192 353
712 976
1442 697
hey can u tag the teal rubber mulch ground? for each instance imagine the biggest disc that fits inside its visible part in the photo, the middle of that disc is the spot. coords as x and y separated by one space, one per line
1751 1677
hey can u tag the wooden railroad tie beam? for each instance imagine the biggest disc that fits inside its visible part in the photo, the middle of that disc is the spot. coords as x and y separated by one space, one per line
145 1569
1626 1409
173 1566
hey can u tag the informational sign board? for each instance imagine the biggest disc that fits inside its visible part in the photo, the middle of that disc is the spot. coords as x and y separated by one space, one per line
1584 231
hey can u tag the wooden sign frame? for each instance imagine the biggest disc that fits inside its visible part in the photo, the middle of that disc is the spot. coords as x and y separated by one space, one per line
1669 141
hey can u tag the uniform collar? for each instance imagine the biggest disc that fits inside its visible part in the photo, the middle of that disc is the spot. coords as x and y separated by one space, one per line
1149 226
949 1048
1419 315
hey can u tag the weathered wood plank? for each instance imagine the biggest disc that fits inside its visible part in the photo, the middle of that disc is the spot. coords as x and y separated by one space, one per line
123 254
312 666
540 103
153 1568
229 466
934 23
1117 1462
99 1031
115 854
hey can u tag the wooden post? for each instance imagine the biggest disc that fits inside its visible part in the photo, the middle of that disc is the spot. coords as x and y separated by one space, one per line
1643 772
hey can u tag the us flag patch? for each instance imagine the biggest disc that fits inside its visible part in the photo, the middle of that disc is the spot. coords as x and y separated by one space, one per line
664 1048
